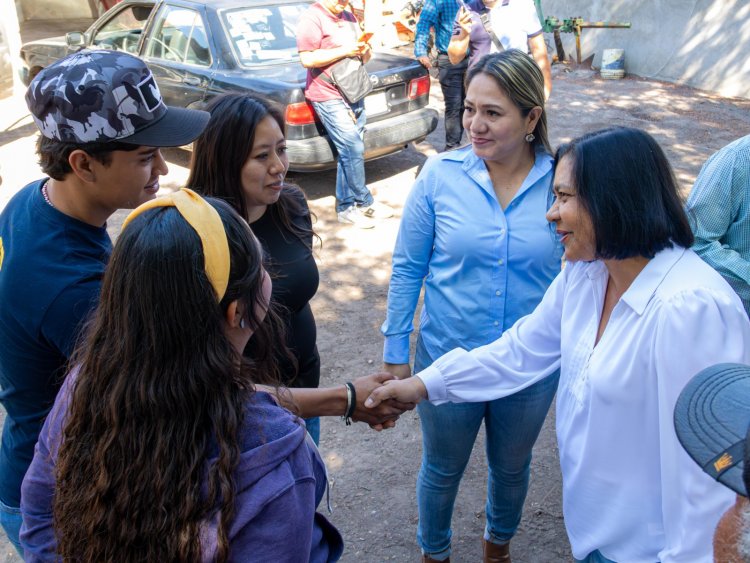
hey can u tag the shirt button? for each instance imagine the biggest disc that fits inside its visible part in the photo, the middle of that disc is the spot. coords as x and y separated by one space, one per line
500 261
502 232
496 323
498 292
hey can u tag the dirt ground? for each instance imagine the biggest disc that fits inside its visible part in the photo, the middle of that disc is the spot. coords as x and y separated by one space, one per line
373 474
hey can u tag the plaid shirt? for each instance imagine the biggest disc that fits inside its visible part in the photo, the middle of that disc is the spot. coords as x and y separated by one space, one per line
440 15
719 210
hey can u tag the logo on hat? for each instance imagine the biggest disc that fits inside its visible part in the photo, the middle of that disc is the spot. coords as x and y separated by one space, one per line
723 462
150 93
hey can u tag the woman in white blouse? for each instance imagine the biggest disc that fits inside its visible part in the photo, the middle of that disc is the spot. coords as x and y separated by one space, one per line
631 318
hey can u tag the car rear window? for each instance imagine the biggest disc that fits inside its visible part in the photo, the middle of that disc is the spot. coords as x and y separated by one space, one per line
264 34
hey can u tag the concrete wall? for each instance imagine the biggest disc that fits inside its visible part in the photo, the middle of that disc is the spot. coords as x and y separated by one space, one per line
701 43
54 9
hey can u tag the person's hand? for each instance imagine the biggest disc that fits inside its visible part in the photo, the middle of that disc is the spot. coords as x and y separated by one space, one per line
399 371
366 52
464 22
410 390
385 414
425 61
352 49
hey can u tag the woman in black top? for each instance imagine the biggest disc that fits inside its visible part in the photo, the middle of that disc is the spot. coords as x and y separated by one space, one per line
241 158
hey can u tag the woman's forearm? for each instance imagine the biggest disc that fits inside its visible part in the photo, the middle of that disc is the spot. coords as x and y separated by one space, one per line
334 401
310 402
323 401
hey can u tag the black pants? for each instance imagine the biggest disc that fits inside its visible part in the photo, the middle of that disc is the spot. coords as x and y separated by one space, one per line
451 79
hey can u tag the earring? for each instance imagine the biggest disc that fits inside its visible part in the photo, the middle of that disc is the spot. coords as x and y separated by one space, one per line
529 137
242 323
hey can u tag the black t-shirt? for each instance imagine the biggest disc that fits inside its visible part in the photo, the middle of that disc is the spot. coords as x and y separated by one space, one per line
292 268
51 267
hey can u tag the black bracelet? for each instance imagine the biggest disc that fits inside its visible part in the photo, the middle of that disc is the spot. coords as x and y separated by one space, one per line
351 403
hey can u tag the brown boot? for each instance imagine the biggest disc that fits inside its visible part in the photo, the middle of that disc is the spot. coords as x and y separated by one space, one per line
427 559
493 553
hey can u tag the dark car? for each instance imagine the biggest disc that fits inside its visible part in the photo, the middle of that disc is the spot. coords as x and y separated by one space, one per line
197 50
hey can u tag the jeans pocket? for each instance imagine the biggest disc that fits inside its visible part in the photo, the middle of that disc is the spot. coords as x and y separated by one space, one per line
12 510
11 520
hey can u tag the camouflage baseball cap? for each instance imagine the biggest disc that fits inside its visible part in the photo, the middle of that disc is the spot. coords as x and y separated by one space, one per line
100 96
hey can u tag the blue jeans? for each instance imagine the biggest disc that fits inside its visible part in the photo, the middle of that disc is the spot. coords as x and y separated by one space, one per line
11 520
345 126
313 428
595 557
512 425
451 79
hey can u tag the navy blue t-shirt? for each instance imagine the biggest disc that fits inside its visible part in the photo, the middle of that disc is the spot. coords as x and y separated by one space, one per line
51 268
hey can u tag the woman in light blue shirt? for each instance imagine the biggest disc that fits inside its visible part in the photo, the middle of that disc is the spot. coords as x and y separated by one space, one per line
474 233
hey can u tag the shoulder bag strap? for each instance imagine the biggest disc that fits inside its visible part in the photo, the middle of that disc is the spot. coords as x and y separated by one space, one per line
485 18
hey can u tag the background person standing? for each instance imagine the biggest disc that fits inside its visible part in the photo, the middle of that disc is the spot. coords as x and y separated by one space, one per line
515 25
327 33
440 15
719 212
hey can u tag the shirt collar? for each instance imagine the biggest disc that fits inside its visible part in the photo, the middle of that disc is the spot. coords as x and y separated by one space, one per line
648 281
477 6
475 168
331 16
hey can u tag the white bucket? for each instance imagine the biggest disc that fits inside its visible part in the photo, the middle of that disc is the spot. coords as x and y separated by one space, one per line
613 64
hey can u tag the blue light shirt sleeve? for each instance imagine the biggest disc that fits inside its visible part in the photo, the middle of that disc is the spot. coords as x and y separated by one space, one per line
719 210
411 260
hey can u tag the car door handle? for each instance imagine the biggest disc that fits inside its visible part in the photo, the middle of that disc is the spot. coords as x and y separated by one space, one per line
191 80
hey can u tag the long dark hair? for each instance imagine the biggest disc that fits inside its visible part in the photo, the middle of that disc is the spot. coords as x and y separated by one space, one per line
625 182
160 391
224 146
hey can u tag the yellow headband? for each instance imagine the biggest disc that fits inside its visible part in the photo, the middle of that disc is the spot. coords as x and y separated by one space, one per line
206 222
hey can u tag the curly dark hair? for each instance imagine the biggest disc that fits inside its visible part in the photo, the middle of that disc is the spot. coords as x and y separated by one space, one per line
150 440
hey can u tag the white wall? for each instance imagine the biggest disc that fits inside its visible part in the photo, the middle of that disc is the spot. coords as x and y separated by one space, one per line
701 43
53 9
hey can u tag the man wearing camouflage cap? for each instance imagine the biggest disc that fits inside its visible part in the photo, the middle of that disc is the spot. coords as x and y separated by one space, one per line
102 121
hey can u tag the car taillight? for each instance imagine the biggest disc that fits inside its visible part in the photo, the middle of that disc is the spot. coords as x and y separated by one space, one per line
301 113
419 87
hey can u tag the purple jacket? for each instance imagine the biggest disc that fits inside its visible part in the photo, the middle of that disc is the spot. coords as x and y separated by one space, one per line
280 481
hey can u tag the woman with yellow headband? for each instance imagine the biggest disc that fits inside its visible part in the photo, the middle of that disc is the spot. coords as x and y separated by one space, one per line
159 447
